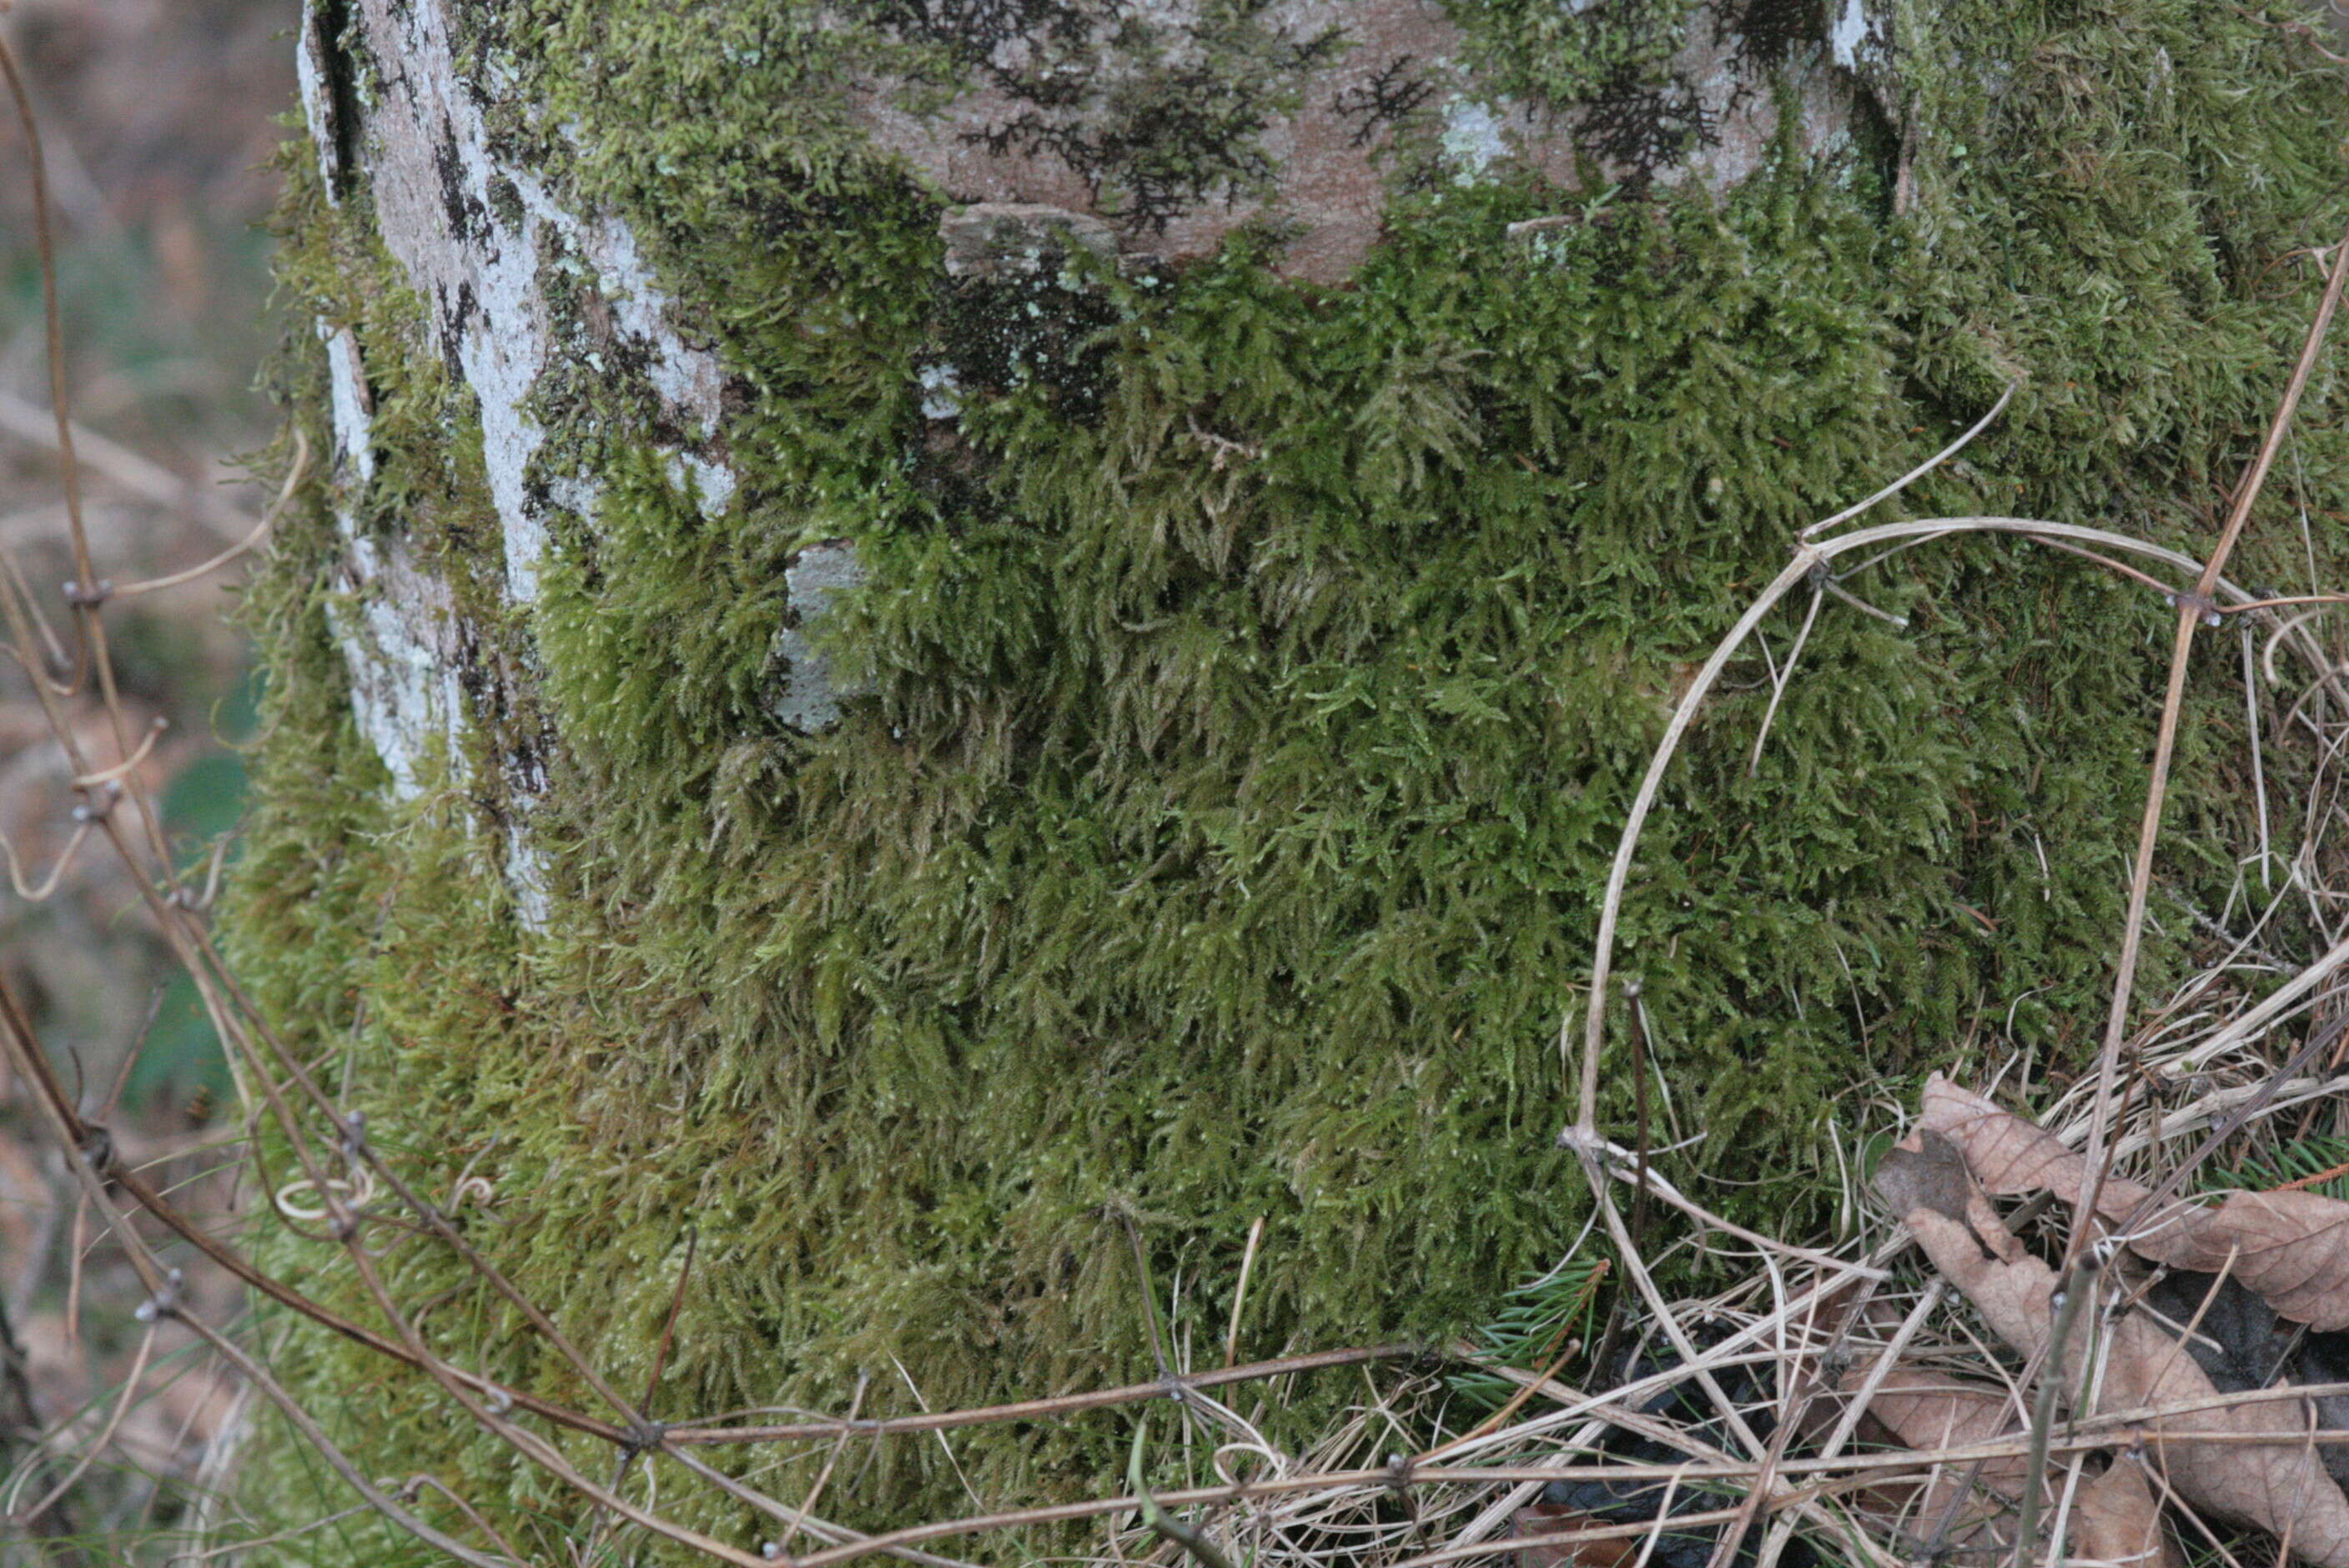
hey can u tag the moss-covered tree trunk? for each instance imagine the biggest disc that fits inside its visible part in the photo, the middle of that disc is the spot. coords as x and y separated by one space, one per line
941 632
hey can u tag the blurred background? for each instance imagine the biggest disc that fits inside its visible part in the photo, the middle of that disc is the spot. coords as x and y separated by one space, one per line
160 119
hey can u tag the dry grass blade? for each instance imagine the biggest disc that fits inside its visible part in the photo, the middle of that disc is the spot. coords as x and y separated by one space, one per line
2192 610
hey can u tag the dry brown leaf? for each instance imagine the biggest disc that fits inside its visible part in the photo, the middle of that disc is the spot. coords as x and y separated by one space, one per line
2276 1487
1966 1507
2116 1521
2115 1518
1929 1410
1537 1520
2291 1248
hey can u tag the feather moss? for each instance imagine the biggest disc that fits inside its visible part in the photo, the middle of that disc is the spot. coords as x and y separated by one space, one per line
1249 718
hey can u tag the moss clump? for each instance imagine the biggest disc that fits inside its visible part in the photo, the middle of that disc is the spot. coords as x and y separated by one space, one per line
1567 55
1247 739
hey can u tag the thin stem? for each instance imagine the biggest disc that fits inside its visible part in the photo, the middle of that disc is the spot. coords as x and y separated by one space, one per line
260 530
97 1445
1807 558
1239 1291
2078 1284
2190 612
1781 680
1040 1409
1921 470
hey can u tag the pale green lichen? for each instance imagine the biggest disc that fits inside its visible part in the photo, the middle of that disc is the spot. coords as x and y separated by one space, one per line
1250 720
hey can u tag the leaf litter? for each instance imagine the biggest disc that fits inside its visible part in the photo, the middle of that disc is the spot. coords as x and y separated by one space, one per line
2160 1439
2291 1247
2129 1364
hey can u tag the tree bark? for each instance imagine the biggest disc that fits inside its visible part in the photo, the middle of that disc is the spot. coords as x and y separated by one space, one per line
941 629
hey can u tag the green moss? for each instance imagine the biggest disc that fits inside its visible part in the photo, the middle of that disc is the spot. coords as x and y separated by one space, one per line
1246 738
1563 55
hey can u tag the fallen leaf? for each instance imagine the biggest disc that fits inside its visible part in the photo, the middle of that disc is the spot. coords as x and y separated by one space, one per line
1929 1410
1965 1507
2240 1343
1537 1520
2277 1486
2291 1247
1970 1508
2116 1519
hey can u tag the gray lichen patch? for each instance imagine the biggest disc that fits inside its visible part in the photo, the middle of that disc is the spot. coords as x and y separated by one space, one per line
352 405
809 695
711 485
550 330
398 634
1472 139
472 232
323 90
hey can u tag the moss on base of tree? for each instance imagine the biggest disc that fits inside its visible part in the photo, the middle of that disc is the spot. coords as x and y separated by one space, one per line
1252 694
